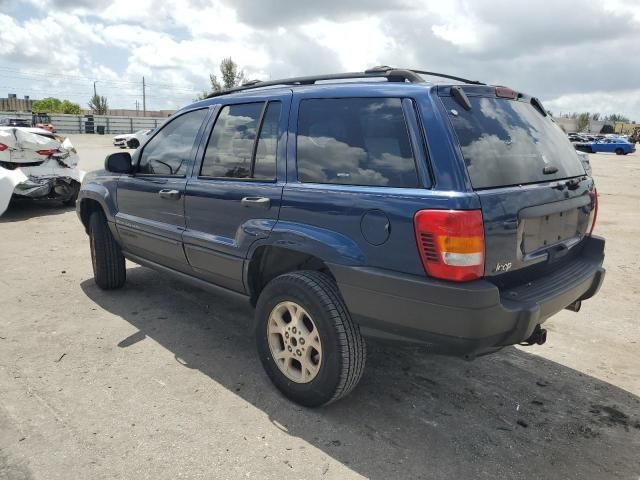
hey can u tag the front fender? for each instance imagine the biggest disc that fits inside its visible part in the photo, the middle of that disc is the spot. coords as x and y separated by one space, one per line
103 192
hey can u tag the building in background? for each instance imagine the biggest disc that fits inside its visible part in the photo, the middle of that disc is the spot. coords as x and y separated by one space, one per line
14 104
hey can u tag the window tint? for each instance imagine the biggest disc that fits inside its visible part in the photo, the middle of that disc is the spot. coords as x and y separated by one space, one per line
230 149
357 141
507 142
265 166
169 152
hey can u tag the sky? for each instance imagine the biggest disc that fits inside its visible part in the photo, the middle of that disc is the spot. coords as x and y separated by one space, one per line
574 55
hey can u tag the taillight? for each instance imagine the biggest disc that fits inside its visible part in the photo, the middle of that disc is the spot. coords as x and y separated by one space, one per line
451 243
594 211
47 153
3 147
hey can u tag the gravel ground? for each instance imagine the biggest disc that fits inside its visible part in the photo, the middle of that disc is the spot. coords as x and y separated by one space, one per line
160 380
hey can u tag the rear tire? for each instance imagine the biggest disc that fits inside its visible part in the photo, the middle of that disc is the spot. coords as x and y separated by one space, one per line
71 201
619 151
340 351
109 270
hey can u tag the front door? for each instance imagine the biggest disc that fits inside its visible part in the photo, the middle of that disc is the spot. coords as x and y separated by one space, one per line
233 198
150 218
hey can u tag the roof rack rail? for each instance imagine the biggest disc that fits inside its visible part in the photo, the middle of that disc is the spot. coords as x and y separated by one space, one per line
390 73
450 77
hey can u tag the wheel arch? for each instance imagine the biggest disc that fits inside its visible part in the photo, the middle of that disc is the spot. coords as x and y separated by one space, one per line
269 261
292 246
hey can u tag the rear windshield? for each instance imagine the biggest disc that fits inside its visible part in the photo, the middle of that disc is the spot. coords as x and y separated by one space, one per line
507 142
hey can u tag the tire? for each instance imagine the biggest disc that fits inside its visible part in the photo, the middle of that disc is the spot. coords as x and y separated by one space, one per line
109 270
71 201
619 151
343 350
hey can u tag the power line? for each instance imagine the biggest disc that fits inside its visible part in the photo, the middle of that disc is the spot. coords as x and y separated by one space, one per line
42 74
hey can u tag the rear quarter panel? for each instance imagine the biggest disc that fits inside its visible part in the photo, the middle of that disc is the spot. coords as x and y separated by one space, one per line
328 220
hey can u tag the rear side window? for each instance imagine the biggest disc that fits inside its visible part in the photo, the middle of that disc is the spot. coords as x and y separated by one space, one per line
507 142
265 163
230 151
355 141
169 152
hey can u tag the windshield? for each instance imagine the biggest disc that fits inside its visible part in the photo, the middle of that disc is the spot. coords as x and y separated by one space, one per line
507 142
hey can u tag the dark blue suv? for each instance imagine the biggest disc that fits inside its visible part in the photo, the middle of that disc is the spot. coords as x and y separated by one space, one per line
455 216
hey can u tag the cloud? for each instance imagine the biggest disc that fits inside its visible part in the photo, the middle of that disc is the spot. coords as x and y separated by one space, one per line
568 51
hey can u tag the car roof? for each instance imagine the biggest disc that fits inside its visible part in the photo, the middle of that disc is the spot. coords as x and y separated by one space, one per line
358 88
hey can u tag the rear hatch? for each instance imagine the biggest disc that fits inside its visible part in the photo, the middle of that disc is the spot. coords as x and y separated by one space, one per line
536 198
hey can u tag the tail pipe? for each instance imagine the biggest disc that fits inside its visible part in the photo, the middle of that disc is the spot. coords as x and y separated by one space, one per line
538 337
575 306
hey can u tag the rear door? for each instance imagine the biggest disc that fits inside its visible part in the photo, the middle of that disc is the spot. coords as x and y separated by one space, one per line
536 198
150 218
234 195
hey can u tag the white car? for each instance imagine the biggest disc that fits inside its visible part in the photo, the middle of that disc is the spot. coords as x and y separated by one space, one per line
132 140
35 163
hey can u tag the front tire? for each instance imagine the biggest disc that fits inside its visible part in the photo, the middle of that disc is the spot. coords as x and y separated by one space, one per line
109 270
619 151
308 344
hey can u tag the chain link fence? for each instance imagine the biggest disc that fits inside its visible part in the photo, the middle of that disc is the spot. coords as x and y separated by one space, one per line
99 124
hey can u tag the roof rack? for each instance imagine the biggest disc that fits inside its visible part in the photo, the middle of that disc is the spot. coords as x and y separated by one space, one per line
390 73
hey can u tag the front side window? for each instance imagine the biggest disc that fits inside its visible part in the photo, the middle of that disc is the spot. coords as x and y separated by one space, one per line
355 141
232 151
169 152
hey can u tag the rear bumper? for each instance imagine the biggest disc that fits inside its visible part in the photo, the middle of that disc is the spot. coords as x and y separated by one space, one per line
465 318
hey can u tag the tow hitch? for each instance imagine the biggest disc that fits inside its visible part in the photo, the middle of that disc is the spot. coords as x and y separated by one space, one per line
538 337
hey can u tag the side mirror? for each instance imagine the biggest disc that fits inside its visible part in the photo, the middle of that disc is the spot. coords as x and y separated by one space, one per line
119 162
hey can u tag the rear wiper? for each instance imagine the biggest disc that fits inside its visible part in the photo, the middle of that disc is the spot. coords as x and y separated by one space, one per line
549 170
537 104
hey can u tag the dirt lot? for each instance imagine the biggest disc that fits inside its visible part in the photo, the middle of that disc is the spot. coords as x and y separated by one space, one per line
161 381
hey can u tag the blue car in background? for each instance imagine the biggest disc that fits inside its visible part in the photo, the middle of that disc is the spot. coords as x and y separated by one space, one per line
607 145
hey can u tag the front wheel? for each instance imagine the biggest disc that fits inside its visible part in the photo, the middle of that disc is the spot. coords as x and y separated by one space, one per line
108 263
619 151
307 342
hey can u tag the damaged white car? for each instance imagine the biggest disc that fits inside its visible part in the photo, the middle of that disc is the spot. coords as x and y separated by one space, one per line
35 163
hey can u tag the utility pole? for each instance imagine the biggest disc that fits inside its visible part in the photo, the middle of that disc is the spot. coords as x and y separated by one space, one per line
144 99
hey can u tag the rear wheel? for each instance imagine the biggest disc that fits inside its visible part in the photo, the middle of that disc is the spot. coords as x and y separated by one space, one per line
71 201
308 344
108 263
619 151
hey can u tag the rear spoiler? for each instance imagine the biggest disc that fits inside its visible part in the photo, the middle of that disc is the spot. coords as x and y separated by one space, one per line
461 94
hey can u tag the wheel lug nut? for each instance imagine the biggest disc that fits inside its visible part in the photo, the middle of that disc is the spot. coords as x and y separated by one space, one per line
298 352
301 341
289 348
293 329
286 334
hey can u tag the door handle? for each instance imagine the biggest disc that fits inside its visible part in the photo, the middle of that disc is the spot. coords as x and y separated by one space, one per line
169 194
259 202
